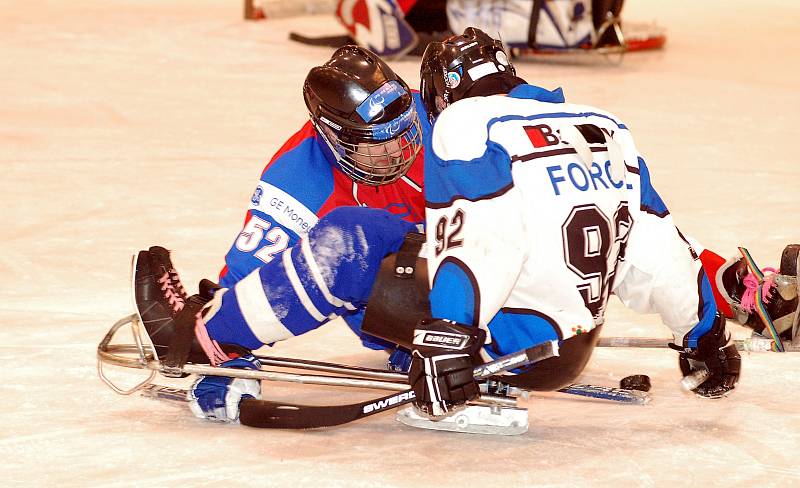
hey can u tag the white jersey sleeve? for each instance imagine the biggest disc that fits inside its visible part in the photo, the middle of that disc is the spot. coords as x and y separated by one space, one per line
661 271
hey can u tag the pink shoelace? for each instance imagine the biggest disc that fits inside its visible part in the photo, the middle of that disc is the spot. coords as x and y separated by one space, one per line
174 297
215 353
751 286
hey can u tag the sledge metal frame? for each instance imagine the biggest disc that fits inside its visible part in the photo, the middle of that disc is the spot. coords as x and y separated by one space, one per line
141 355
108 353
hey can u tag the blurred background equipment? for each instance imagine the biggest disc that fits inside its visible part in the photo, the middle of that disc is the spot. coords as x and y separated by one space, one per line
393 28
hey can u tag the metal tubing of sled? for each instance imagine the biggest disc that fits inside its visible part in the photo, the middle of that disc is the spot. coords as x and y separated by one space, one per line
103 355
139 358
332 368
108 353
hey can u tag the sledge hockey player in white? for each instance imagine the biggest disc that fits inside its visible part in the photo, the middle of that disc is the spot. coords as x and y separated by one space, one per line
537 210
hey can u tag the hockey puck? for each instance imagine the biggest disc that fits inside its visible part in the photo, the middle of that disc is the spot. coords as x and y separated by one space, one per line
639 382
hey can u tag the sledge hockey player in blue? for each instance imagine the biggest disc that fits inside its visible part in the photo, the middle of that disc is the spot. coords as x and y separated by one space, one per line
361 148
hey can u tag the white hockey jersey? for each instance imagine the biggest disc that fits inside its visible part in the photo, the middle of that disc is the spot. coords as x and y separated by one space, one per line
537 210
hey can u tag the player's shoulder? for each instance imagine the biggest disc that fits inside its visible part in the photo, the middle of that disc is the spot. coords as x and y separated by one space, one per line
461 131
597 113
301 157
296 148
469 110
419 106
300 172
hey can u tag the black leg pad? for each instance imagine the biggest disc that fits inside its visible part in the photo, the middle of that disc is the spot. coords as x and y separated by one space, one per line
399 298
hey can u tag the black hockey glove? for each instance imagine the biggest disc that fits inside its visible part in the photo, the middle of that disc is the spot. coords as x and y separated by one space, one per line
715 354
443 356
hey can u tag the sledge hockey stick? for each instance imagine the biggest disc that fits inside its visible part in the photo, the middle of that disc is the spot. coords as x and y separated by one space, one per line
585 390
326 41
753 344
620 395
120 355
276 415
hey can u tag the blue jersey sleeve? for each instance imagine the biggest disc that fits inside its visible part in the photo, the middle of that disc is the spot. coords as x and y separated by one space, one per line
284 206
329 274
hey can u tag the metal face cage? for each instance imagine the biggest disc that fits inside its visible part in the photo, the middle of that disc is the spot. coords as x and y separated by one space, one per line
377 154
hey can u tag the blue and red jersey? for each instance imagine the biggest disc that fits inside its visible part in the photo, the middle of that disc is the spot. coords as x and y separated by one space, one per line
300 185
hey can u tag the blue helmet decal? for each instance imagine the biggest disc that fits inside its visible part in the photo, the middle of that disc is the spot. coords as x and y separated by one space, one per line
388 130
378 100
453 78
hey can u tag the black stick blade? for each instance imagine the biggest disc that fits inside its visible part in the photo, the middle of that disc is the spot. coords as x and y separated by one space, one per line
275 415
326 41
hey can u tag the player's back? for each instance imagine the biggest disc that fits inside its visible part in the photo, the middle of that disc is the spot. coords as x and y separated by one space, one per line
568 208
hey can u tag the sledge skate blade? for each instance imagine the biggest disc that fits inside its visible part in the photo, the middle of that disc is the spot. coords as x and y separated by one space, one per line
474 419
160 392
787 286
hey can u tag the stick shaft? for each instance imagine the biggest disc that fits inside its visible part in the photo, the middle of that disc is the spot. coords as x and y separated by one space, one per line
260 413
753 344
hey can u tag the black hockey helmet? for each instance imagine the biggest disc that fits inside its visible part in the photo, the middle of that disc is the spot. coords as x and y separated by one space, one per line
461 66
366 115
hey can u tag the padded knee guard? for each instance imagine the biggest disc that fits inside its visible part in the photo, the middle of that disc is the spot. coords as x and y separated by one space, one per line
399 298
348 245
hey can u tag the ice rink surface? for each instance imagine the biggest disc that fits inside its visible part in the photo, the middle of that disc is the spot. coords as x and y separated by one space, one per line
131 123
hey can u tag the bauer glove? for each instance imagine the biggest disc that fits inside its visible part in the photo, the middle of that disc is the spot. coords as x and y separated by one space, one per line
443 356
715 354
217 398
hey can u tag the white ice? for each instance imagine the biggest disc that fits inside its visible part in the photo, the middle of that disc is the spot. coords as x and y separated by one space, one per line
137 122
